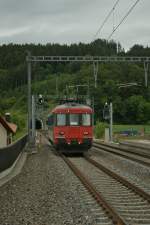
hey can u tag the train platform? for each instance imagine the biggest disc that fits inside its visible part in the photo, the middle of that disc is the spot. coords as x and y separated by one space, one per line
44 193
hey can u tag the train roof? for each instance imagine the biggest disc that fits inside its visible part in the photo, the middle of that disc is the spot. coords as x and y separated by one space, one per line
72 108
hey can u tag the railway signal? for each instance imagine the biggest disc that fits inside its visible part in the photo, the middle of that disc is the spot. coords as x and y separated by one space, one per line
40 99
106 112
108 115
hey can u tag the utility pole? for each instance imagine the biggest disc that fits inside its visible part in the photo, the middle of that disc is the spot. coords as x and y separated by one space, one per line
146 73
93 107
67 91
88 89
108 115
33 119
77 90
118 50
95 65
57 85
29 95
111 122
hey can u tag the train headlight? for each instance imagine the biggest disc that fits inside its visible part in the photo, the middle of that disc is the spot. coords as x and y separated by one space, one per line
61 132
86 133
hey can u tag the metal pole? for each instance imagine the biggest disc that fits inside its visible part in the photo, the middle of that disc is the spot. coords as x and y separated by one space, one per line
95 64
29 96
88 89
93 107
77 92
117 47
67 91
146 73
111 122
33 119
56 85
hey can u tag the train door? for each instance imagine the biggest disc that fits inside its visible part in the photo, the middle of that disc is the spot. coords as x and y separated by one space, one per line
74 127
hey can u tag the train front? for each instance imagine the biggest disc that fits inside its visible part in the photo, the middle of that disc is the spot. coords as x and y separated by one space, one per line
73 130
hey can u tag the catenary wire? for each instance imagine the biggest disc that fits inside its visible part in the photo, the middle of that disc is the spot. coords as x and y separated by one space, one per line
126 15
107 17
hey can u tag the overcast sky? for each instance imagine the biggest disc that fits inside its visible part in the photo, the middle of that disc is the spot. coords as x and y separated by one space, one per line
72 21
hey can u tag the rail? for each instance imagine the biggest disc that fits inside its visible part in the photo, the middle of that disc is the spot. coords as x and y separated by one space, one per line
136 145
120 179
98 197
138 157
124 202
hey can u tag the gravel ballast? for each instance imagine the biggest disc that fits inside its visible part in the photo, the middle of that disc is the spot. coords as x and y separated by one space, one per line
132 171
46 192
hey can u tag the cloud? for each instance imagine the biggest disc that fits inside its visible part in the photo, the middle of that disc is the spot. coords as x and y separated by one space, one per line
12 32
69 21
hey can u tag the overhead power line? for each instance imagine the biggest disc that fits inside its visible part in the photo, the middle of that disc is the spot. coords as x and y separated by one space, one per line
107 17
126 15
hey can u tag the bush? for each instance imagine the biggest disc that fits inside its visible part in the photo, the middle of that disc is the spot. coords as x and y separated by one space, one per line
99 130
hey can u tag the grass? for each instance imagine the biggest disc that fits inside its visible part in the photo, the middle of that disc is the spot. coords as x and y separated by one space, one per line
118 128
139 128
19 134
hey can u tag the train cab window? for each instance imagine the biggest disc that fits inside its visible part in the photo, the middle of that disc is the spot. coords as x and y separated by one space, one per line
61 119
74 120
86 119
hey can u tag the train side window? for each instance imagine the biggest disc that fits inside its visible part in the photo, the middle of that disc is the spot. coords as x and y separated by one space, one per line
86 119
50 120
61 119
74 120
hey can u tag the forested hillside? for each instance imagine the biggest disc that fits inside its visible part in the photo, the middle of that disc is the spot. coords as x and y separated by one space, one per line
131 104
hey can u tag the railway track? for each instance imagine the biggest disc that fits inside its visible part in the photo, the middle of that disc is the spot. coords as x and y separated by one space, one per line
122 202
136 156
137 147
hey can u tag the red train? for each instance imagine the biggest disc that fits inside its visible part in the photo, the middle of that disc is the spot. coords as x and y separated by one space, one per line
70 127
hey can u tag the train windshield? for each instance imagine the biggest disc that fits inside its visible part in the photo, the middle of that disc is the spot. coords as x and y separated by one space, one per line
74 120
86 119
61 119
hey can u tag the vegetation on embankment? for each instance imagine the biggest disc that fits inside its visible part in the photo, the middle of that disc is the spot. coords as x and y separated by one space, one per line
129 131
130 104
